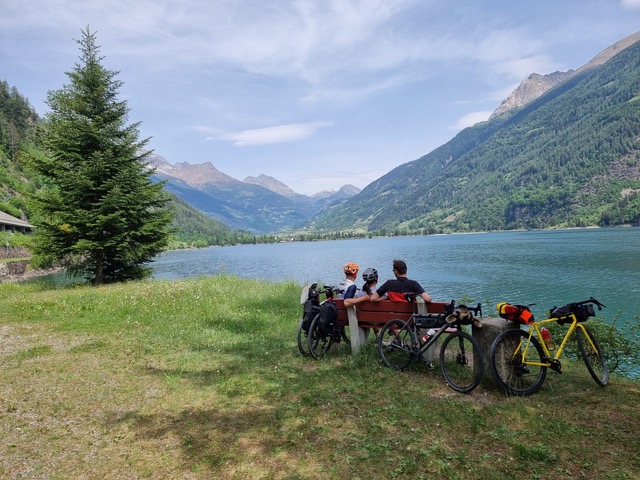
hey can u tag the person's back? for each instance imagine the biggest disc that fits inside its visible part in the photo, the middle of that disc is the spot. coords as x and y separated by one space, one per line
400 284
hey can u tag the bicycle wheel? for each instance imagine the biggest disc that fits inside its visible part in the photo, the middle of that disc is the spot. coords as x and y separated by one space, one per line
395 344
319 341
510 355
344 333
461 362
593 358
303 340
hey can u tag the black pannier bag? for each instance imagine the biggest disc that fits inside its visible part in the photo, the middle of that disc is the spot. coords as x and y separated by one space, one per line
310 310
328 316
580 310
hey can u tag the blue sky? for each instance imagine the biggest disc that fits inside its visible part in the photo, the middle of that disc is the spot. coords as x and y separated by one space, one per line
317 94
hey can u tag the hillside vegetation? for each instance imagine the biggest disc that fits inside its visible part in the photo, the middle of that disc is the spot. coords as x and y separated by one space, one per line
568 159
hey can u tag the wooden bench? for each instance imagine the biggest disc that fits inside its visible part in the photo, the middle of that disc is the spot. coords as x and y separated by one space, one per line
364 316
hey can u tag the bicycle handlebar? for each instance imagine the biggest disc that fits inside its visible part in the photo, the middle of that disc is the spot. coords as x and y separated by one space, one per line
591 300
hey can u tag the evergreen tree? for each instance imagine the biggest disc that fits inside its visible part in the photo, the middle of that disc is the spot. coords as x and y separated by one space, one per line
99 215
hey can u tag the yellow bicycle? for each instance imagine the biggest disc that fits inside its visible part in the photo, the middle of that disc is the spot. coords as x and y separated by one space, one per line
519 358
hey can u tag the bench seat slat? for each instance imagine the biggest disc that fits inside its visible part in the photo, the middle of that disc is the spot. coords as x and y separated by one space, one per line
376 314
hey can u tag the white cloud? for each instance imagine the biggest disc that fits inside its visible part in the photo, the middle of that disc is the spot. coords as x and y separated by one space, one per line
276 134
631 3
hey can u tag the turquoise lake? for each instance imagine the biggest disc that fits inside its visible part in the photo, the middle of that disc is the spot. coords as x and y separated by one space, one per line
550 267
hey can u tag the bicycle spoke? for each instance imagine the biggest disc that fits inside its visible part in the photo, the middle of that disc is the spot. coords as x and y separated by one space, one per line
593 356
395 344
319 341
461 362
511 354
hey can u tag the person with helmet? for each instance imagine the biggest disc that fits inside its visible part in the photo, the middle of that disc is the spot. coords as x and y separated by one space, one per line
370 277
347 288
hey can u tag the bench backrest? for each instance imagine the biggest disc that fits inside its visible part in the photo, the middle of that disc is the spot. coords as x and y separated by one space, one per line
376 314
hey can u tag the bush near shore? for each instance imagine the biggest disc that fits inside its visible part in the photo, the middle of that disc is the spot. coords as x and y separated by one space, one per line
202 379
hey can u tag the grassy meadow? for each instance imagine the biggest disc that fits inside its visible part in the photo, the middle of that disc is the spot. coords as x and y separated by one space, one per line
202 379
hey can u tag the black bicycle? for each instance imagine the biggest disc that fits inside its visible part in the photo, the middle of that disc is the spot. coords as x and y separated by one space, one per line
461 361
319 328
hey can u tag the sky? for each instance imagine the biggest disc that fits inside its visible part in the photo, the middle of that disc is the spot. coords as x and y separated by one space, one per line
316 94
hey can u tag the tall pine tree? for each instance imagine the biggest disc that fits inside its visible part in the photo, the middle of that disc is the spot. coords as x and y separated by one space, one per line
100 216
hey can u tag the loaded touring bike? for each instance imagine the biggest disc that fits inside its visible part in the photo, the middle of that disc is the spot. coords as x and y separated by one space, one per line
319 328
519 359
461 362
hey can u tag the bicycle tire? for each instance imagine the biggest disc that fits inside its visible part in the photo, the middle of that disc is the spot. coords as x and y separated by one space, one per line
593 359
344 335
513 375
395 344
319 342
303 340
461 362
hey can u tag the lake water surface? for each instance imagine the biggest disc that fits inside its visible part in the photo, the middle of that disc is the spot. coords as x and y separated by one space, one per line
543 267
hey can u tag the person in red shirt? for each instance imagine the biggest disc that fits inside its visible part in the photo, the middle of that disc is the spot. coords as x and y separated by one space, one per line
400 284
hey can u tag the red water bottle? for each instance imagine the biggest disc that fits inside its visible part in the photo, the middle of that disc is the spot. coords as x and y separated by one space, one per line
546 336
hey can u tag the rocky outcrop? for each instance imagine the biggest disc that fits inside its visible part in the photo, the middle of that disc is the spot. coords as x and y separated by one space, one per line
536 85
530 89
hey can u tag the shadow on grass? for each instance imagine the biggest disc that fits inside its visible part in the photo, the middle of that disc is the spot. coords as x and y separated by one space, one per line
290 426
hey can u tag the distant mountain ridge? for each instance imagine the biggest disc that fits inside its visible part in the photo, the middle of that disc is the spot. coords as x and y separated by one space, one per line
257 205
567 157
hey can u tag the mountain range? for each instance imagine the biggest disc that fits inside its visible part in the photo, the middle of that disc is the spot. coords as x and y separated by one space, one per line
563 150
563 154
257 205
560 151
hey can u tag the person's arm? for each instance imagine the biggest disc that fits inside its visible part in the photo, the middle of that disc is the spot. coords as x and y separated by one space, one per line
352 301
378 295
417 288
351 292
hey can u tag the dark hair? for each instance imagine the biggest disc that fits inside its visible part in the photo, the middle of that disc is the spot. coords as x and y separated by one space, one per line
400 267
366 287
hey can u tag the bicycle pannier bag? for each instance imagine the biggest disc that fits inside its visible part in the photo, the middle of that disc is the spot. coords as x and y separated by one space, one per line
328 316
310 310
515 313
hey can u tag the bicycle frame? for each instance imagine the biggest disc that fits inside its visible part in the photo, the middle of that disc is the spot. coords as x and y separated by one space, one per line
554 361
519 363
459 356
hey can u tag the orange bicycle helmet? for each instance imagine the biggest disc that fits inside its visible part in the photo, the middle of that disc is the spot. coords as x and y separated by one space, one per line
351 268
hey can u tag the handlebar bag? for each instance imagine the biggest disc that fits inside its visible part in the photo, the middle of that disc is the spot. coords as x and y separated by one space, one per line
582 311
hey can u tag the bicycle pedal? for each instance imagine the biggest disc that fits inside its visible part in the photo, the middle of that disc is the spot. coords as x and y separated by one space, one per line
556 366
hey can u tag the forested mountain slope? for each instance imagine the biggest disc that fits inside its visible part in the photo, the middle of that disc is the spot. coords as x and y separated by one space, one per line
570 158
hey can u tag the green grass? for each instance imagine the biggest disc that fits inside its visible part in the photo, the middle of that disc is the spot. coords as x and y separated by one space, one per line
202 379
